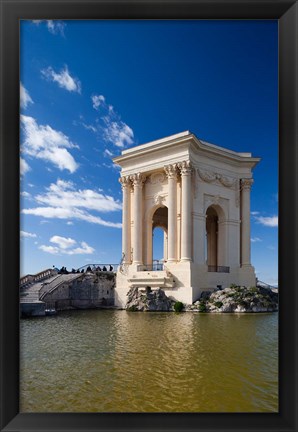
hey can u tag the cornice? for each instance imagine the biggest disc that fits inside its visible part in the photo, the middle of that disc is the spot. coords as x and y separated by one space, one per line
193 145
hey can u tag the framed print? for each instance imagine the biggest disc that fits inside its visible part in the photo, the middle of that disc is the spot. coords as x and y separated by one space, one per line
83 86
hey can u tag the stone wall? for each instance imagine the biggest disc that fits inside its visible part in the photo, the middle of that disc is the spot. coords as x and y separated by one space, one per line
32 309
91 290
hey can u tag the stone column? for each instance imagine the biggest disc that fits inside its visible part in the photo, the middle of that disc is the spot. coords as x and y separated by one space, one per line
165 246
186 209
245 221
138 180
126 222
199 238
171 172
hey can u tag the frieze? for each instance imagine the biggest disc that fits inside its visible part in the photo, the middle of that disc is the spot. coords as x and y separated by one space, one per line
227 181
211 177
155 178
207 176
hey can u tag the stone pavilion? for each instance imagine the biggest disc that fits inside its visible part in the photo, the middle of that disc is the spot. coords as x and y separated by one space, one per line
199 194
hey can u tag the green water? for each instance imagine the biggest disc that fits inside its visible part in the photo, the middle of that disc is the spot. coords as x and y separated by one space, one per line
116 361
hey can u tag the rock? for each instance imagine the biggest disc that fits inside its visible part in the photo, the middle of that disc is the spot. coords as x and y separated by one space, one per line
238 299
205 295
148 300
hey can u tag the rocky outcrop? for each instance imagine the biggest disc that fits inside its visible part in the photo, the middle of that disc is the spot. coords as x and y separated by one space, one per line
237 299
148 300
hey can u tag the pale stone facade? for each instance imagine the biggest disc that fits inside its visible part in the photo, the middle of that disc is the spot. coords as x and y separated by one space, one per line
199 194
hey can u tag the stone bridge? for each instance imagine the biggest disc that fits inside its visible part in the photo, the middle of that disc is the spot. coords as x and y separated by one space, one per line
51 291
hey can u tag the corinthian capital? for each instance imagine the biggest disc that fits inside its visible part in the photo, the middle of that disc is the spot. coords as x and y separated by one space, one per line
171 171
185 167
125 181
138 179
246 184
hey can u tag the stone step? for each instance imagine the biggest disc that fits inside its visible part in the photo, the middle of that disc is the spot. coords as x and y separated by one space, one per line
159 279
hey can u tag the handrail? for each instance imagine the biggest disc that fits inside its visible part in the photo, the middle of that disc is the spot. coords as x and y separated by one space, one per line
151 267
265 285
101 265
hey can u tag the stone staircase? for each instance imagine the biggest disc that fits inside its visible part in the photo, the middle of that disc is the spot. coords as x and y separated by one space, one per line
31 293
153 279
52 285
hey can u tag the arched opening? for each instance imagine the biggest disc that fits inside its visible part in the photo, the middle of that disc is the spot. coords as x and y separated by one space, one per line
159 245
212 238
159 237
216 239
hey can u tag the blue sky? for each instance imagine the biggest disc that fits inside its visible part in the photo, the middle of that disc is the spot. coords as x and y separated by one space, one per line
90 89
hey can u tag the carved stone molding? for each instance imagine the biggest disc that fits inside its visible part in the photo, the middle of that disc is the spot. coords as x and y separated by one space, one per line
210 177
185 167
158 177
207 176
138 179
171 170
215 199
227 181
210 200
159 199
125 181
246 184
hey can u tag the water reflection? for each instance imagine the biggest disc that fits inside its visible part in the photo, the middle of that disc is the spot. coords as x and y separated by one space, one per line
103 361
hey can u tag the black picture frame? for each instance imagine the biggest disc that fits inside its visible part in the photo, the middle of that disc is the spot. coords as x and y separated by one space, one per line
286 12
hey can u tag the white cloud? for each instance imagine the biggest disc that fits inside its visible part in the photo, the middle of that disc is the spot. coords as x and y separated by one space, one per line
255 239
66 246
63 79
43 142
97 100
63 242
24 167
89 127
25 98
25 194
118 133
49 249
27 234
63 201
69 223
54 26
108 153
115 130
270 221
254 213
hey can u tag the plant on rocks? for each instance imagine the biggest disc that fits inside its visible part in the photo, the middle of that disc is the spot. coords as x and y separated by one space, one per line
178 306
202 307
